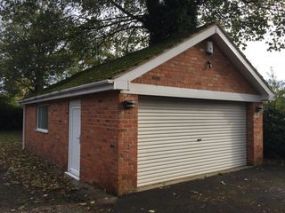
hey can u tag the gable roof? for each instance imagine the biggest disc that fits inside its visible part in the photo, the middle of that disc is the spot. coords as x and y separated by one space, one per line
117 74
111 69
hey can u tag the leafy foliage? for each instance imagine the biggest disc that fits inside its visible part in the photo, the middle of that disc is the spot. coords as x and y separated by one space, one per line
170 17
33 49
42 42
245 20
274 120
249 20
274 136
10 114
278 87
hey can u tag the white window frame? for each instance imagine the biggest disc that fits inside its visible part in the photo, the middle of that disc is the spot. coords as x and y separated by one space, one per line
38 129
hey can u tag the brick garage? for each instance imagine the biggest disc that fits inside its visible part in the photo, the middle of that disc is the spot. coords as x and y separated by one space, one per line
53 146
97 128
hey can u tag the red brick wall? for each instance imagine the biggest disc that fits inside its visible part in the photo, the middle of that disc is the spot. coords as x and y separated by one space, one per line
52 146
255 134
189 70
127 146
108 139
109 142
99 138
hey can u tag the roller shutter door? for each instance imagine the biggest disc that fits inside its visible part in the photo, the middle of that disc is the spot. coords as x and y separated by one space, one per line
178 138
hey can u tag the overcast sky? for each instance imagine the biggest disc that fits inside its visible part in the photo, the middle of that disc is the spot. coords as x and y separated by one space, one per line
262 59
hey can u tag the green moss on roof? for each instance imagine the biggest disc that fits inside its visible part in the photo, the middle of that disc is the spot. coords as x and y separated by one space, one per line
113 68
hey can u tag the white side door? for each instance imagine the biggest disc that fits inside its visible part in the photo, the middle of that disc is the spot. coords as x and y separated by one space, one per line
74 139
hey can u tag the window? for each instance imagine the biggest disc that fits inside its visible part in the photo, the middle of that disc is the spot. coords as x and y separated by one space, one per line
42 118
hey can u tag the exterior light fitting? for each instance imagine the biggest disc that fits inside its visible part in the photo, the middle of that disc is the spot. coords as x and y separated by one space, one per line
129 104
258 109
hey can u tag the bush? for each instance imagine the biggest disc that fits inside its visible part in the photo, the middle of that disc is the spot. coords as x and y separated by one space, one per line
10 115
274 133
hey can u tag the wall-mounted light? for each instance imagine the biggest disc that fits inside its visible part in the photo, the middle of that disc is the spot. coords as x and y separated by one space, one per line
258 108
129 104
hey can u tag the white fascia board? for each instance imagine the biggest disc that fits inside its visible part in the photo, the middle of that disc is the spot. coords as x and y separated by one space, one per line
85 89
247 66
153 90
169 54
123 80
121 84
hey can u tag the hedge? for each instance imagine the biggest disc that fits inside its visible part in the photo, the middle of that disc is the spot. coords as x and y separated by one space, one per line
10 115
274 133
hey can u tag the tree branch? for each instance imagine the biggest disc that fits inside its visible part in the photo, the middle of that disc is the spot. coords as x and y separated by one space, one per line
125 11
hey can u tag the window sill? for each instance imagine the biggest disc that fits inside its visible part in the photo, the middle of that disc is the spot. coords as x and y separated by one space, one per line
42 130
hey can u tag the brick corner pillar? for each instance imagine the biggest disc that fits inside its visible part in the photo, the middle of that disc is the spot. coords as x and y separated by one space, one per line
254 134
127 145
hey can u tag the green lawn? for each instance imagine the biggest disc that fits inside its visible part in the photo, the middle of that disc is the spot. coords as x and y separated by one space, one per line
10 136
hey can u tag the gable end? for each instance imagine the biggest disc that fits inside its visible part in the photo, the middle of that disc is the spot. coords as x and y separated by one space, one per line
194 69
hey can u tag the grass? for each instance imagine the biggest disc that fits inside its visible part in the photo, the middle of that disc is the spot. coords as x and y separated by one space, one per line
10 137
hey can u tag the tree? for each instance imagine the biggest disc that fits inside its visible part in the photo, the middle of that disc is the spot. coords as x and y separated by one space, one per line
10 114
278 88
274 119
43 41
245 20
249 20
166 18
33 48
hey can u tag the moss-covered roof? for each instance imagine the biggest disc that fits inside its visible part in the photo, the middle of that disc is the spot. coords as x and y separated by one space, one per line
109 70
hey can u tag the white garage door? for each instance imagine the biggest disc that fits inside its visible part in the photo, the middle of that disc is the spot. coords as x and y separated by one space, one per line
179 138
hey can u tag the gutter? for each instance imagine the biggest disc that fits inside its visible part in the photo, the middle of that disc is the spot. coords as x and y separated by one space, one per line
90 88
